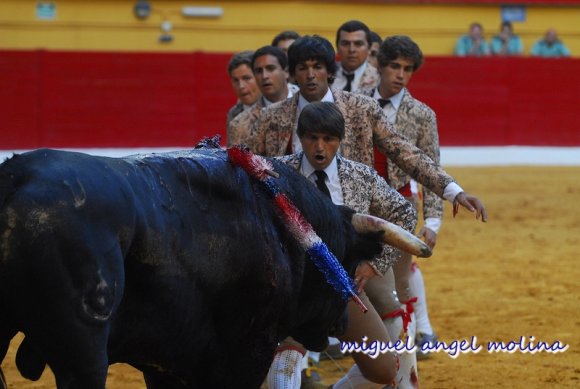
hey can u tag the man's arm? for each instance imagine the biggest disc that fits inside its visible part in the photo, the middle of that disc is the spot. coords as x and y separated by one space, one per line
390 205
418 165
257 133
239 128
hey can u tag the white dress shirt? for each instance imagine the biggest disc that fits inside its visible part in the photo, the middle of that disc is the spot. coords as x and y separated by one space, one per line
332 179
340 80
302 102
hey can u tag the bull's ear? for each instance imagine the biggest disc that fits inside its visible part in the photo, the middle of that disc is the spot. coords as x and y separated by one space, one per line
7 186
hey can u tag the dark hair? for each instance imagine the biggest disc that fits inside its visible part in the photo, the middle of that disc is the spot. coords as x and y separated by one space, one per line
273 51
238 59
352 26
507 23
285 35
312 48
376 38
321 116
397 46
476 24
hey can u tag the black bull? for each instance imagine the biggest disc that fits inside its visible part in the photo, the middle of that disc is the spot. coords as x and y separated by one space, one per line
174 263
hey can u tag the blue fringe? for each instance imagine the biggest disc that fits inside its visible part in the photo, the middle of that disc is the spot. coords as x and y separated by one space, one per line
332 270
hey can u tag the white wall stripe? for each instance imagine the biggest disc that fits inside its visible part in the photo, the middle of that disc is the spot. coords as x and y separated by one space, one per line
450 156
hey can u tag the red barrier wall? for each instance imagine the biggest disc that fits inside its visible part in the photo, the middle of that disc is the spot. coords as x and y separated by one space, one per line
502 101
72 99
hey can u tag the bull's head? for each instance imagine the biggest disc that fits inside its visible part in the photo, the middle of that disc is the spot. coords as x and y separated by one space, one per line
370 233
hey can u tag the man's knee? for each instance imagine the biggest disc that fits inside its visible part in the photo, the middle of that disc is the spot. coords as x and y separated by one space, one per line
383 372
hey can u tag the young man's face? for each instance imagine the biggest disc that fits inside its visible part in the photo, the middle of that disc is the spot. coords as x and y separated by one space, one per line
271 77
353 49
395 76
312 78
319 148
373 52
285 44
244 84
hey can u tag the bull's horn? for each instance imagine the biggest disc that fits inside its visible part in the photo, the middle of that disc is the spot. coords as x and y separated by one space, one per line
392 234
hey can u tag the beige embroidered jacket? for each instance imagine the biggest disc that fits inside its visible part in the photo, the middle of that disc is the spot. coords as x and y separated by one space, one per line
239 127
370 78
234 111
366 192
418 123
365 125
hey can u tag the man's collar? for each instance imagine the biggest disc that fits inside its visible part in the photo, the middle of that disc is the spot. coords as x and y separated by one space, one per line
302 102
307 169
395 99
358 71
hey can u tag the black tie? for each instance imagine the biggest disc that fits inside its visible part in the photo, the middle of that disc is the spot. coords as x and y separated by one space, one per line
349 78
320 182
383 102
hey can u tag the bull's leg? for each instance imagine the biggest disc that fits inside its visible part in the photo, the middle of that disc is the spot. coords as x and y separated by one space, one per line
29 360
5 337
3 384
77 355
158 380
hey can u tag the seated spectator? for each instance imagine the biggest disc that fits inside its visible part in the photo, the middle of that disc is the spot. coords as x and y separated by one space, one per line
550 46
284 39
473 43
506 42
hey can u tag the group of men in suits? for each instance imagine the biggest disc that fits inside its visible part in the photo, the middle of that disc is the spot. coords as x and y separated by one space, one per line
344 120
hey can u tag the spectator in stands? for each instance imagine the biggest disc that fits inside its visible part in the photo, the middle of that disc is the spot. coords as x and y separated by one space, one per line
243 83
506 42
473 43
354 73
284 39
550 46
376 41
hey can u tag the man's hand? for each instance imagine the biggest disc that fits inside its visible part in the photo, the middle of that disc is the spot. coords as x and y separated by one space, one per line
429 236
472 203
364 272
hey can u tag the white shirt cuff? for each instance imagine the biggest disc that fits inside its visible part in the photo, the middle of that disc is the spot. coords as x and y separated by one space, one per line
433 223
451 191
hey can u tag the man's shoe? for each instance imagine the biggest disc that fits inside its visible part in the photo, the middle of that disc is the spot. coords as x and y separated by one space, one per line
423 339
311 379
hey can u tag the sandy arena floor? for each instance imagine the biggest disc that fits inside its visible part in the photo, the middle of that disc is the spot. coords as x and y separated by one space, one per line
516 276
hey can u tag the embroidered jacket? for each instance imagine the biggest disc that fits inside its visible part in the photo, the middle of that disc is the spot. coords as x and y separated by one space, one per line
239 127
369 79
418 123
234 111
366 192
365 125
